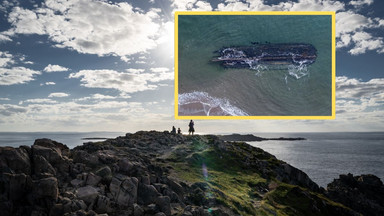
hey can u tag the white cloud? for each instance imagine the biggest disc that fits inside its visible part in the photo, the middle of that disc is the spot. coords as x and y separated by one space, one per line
347 22
97 97
58 94
16 75
39 101
159 69
356 89
50 83
358 3
4 38
125 59
127 82
5 99
55 68
358 99
6 59
133 70
182 5
90 26
10 109
365 41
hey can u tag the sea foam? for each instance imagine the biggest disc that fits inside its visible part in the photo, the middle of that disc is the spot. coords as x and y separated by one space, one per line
201 103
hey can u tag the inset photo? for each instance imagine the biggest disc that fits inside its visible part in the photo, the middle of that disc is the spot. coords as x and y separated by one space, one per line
254 65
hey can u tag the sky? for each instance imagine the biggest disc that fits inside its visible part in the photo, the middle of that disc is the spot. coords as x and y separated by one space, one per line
93 65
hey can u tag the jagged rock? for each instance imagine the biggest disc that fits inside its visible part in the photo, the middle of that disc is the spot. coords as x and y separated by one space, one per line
52 155
81 156
145 180
93 179
88 194
292 175
147 194
15 159
41 165
164 203
364 193
176 187
15 186
77 183
107 156
137 210
82 213
105 173
46 188
57 210
103 205
77 168
124 189
151 209
125 165
73 205
62 149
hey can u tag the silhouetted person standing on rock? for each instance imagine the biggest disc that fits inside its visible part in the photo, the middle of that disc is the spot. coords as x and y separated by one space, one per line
173 130
191 128
178 131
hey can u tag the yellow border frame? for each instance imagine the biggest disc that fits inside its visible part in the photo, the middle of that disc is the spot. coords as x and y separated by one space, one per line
177 13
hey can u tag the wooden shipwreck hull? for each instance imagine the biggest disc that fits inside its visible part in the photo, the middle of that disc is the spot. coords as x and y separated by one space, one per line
267 54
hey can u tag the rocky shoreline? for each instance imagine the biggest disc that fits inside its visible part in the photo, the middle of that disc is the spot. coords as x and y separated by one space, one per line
158 173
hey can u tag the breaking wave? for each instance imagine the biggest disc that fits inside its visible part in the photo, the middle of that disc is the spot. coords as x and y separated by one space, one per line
297 71
202 104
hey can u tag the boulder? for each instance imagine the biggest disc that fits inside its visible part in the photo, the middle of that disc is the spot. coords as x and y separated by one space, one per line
61 148
77 183
105 173
124 189
81 156
46 188
88 194
93 179
52 155
125 165
41 165
103 205
147 194
176 187
15 159
137 210
164 204
15 186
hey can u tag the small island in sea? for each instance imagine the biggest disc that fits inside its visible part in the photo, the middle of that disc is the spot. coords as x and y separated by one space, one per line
251 137
160 173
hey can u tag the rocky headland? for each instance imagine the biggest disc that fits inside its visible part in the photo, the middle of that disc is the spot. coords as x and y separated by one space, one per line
158 173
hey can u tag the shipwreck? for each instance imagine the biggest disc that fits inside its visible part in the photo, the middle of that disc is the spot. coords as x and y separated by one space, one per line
266 54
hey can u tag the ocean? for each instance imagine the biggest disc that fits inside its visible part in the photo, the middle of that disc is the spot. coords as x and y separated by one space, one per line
324 156
207 88
71 139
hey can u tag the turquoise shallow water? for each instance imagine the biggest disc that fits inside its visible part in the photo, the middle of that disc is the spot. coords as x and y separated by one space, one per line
262 91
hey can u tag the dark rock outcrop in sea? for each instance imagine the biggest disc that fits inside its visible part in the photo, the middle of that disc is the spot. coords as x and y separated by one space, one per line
158 173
